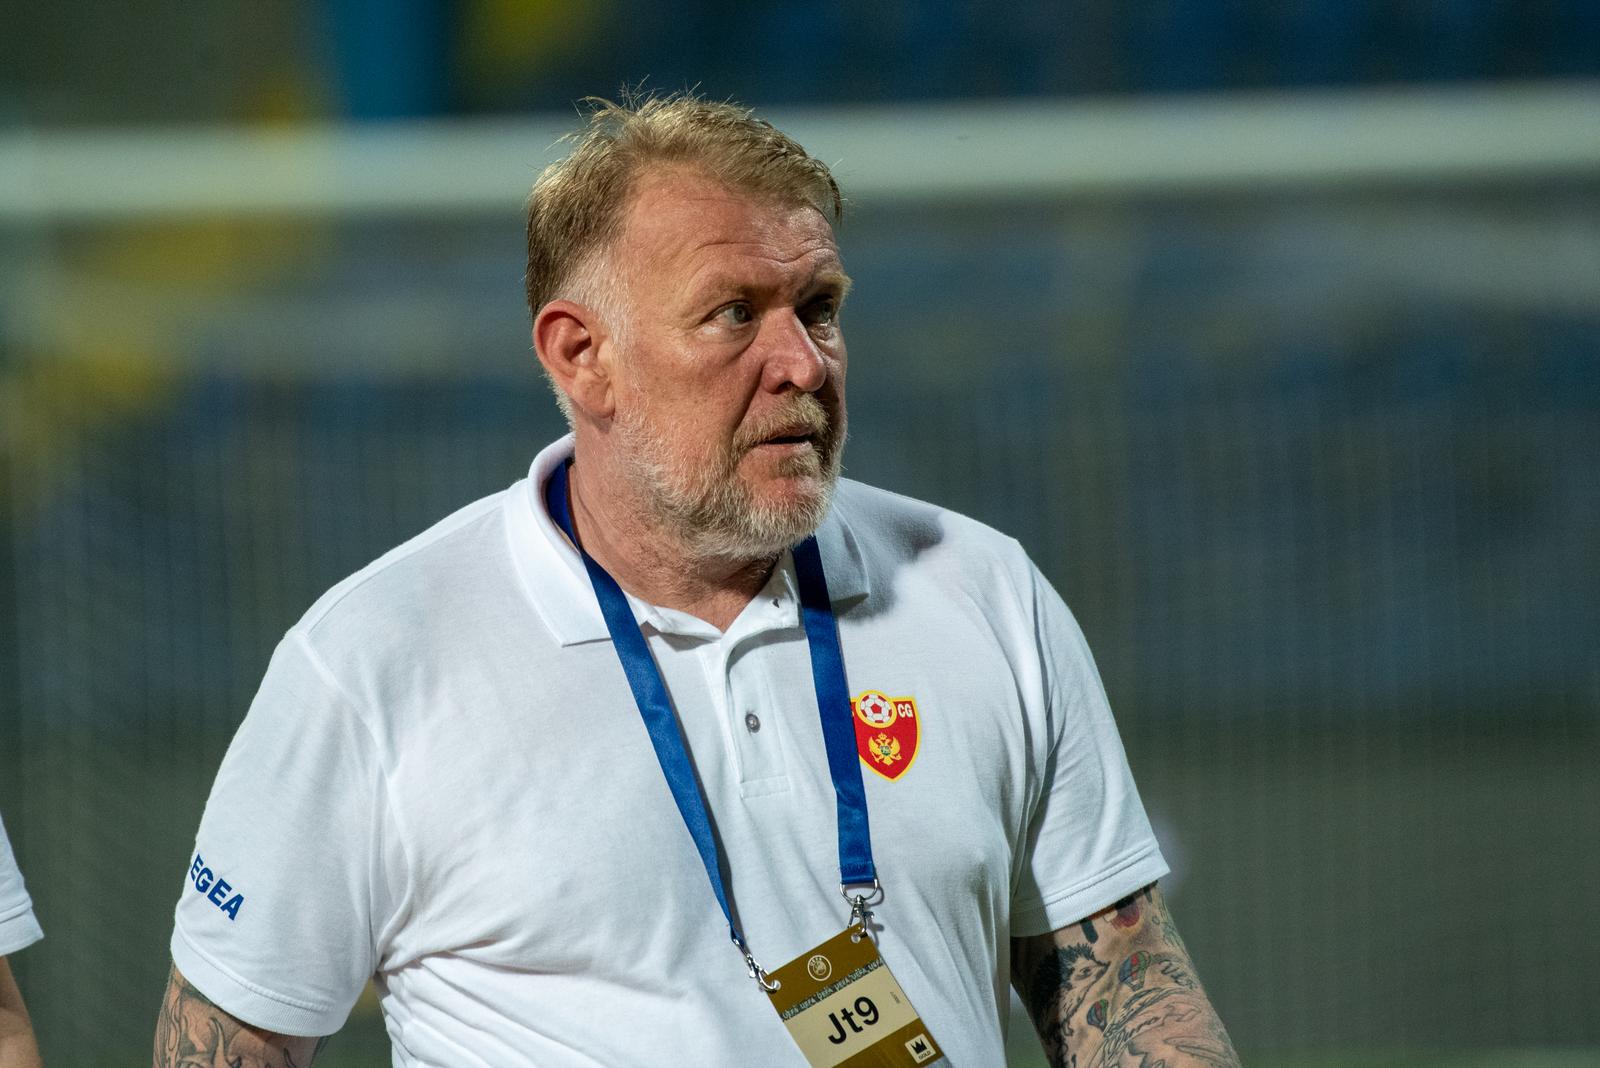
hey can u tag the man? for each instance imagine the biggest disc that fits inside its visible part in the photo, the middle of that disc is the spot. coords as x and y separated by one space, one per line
18 930
531 770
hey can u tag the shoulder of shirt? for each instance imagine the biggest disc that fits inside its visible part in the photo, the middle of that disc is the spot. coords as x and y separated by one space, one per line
906 525
892 525
437 558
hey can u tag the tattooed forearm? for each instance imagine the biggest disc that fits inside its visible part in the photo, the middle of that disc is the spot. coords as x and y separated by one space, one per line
192 1032
1058 987
1119 989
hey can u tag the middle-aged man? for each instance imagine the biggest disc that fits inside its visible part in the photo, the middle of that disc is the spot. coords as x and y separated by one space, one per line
574 773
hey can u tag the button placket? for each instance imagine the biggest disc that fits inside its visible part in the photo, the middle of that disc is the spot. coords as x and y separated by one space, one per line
740 715
713 659
753 714
756 719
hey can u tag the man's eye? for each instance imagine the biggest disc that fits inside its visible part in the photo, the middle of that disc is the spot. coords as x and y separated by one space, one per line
737 314
822 312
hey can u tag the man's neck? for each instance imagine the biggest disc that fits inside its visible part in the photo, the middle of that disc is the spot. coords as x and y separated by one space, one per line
651 562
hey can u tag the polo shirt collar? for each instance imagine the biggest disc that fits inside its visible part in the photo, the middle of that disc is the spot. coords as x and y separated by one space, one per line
554 579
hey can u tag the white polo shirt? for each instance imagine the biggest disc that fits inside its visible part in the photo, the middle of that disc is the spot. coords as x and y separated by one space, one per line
18 928
445 783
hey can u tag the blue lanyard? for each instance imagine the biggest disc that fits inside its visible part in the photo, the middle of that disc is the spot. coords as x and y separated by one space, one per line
666 735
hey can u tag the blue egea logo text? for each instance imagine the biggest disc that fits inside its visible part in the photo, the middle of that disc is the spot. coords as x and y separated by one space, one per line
214 888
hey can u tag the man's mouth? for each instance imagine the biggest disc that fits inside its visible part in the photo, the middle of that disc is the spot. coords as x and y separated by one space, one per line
793 436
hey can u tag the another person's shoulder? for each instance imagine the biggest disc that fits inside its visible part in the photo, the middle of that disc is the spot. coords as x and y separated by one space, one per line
18 927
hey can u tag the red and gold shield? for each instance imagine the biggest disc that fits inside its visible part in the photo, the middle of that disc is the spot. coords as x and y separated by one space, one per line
886 732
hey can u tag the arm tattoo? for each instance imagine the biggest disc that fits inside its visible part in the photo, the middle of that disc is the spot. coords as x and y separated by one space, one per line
1061 981
1118 990
192 1032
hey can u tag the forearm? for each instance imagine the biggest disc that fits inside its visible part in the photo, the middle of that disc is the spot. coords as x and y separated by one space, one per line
18 1049
192 1031
1120 989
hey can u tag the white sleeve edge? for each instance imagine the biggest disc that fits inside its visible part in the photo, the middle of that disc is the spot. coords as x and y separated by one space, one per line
1084 899
253 1004
19 931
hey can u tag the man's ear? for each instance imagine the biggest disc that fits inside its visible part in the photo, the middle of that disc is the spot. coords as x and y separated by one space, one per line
570 340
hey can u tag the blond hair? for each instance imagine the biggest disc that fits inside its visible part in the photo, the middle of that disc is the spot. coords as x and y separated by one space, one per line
578 205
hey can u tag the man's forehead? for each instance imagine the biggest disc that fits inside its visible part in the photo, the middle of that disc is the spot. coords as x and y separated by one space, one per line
680 212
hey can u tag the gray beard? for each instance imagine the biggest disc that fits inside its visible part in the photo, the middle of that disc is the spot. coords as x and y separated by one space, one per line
711 513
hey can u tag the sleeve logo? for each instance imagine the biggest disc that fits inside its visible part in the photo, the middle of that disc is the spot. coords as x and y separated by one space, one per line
887 732
214 888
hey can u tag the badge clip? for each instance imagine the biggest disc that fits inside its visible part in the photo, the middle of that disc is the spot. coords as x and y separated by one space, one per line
757 972
861 909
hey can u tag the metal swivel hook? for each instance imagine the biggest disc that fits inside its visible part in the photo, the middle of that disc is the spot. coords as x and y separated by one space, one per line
759 974
861 911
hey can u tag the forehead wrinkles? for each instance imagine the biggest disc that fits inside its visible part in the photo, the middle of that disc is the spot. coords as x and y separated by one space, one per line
688 226
761 268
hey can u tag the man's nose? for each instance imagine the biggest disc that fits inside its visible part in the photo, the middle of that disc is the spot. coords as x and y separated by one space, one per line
793 357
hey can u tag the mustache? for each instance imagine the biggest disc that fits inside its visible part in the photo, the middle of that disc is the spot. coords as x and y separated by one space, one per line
805 416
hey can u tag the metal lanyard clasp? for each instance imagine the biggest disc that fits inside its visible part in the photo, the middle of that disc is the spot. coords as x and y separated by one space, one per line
861 897
757 972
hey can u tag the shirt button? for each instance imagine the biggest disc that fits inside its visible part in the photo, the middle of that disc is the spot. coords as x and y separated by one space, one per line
752 722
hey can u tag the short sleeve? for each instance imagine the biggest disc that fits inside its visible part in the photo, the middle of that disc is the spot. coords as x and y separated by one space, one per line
1089 841
286 890
18 927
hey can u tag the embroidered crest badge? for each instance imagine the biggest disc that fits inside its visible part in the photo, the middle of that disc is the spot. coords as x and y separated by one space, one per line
887 731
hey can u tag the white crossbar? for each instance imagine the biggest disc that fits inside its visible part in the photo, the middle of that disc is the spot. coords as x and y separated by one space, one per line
1093 148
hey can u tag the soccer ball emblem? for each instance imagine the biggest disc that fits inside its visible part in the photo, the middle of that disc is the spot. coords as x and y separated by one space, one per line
876 709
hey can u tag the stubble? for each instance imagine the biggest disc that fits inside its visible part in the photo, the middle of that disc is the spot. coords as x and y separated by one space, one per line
708 507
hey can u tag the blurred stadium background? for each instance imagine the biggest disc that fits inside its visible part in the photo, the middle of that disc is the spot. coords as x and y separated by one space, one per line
1272 330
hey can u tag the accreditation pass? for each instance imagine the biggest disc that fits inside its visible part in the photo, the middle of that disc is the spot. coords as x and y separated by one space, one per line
845 1010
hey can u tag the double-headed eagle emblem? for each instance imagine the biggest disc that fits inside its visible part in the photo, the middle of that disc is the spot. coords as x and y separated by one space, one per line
887 732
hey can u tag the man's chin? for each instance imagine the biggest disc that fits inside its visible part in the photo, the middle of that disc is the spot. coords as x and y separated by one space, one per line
796 460
793 493
776 514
